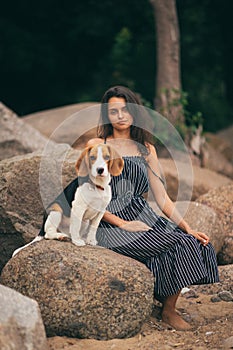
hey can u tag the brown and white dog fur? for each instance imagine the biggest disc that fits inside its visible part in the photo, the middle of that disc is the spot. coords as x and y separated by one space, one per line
99 162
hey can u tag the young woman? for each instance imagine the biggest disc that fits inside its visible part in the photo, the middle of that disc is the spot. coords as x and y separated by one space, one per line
177 255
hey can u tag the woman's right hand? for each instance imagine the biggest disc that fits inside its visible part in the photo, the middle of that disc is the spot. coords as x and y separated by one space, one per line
135 226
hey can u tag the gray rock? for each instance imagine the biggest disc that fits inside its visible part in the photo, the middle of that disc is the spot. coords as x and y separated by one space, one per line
58 123
203 218
16 136
227 135
28 184
225 295
220 200
215 299
188 182
225 256
83 292
21 326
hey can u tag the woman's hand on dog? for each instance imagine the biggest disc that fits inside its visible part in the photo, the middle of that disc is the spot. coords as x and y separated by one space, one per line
135 226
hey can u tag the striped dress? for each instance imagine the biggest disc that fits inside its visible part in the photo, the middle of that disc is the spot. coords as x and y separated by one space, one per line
176 258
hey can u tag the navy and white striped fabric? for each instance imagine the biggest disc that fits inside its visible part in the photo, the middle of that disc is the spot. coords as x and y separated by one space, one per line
175 258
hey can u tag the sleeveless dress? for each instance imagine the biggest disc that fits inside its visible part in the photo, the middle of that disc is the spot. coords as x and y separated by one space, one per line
175 258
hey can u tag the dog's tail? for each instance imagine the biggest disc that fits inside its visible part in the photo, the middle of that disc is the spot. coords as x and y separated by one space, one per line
36 239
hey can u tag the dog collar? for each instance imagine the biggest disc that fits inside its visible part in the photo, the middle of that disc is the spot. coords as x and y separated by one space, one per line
94 185
99 187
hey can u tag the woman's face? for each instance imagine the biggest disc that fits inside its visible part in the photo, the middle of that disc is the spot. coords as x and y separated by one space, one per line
118 113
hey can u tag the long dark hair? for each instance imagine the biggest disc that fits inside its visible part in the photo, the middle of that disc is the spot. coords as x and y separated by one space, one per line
139 114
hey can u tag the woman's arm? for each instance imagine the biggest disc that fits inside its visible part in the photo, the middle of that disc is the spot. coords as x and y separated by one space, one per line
131 226
163 200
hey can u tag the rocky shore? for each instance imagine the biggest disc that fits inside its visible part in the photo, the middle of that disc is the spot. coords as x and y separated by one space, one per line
75 298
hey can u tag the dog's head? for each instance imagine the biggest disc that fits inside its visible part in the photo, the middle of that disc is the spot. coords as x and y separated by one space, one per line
99 160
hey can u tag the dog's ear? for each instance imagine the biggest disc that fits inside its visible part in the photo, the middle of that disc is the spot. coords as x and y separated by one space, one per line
82 164
116 162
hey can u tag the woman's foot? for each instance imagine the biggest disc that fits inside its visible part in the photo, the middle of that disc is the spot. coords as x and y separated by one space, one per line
175 321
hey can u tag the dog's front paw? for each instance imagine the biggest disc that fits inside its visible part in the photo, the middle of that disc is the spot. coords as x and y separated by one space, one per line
79 242
52 234
63 237
92 241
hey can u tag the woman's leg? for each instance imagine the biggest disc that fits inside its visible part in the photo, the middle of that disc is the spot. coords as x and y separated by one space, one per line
170 316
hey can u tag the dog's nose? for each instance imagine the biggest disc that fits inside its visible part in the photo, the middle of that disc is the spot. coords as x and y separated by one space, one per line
100 171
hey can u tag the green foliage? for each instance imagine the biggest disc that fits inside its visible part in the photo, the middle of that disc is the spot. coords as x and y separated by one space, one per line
191 120
57 53
188 125
120 58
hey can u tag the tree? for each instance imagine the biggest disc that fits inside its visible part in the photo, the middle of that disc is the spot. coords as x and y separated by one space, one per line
168 81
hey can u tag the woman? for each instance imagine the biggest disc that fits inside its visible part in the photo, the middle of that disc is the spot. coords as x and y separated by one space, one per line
177 255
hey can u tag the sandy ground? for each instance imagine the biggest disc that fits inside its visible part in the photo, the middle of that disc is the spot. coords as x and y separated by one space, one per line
213 325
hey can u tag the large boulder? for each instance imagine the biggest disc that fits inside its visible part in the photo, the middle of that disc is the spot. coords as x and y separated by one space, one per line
16 136
84 292
225 255
185 182
214 160
203 218
21 325
221 144
73 124
220 200
27 185
227 135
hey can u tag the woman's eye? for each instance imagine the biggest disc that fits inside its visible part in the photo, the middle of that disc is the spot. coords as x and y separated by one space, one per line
113 111
125 110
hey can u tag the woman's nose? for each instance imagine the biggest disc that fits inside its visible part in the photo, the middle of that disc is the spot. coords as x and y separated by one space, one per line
120 114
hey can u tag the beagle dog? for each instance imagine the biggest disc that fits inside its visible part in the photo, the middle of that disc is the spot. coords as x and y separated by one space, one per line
81 207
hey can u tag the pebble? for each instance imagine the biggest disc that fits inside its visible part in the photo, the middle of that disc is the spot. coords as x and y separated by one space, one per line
215 299
225 296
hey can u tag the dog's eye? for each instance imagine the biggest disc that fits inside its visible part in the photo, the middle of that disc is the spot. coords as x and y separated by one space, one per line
92 158
107 157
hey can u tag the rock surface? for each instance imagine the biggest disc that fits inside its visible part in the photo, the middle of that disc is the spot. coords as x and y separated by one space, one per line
214 160
28 184
72 124
16 136
84 292
221 144
225 256
220 200
203 218
212 322
185 182
226 135
21 326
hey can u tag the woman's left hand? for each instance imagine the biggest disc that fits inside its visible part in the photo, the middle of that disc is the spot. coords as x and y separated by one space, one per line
202 237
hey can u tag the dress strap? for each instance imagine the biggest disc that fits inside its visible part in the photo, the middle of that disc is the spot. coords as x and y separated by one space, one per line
153 172
105 140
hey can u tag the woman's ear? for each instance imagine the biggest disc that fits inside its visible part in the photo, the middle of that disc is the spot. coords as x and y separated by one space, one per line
116 163
82 164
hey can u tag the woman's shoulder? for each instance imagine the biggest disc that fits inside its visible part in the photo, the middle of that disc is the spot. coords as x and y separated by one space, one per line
152 154
151 149
94 141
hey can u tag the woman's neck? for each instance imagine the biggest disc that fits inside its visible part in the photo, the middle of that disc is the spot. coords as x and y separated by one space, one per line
123 145
124 134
